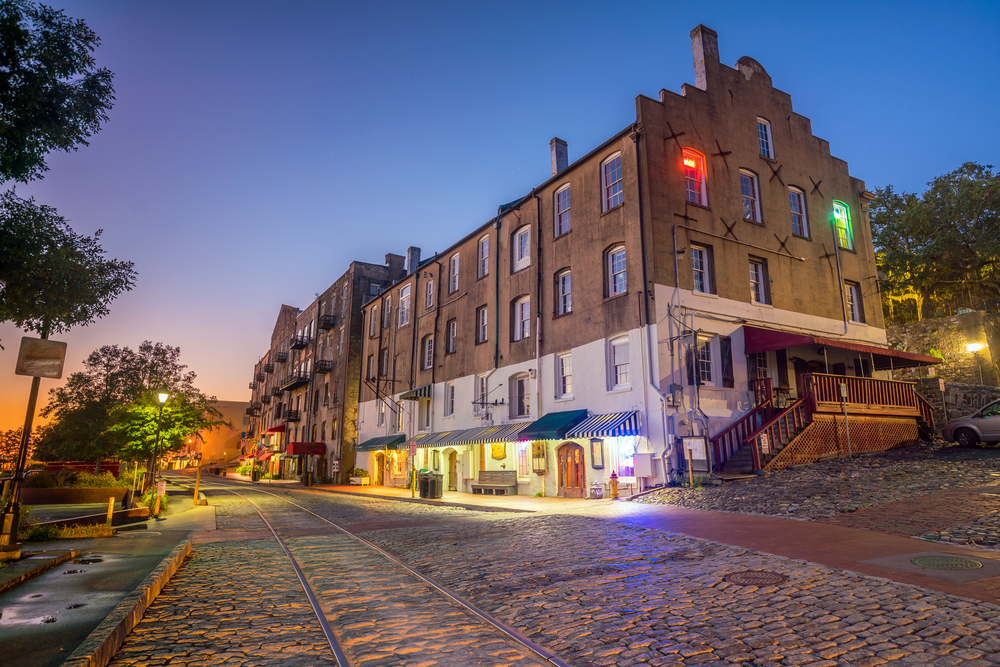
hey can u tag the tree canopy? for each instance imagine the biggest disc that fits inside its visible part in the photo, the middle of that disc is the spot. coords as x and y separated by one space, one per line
50 276
52 94
943 242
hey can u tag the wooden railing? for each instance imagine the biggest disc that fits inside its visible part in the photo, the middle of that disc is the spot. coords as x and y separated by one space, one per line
762 391
728 441
926 410
864 395
778 430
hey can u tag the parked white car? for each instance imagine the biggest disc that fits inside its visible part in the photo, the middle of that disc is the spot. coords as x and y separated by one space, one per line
983 426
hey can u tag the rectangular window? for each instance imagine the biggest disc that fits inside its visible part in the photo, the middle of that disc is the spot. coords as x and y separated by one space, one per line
481 325
855 305
452 336
333 429
449 399
428 352
611 180
386 312
694 178
340 344
381 412
479 406
619 364
483 254
704 360
700 270
383 367
404 306
370 368
764 136
399 417
425 414
759 292
520 397
523 459
453 274
564 375
842 224
562 211
617 278
522 249
565 293
751 200
429 300
797 204
522 319
373 322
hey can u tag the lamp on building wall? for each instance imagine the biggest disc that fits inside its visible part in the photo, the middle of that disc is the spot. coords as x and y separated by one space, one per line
973 349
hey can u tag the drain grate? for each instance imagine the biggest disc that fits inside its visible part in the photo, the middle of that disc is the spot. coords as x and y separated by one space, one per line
87 561
946 563
756 578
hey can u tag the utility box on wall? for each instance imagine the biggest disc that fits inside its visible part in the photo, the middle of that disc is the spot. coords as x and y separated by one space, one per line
643 464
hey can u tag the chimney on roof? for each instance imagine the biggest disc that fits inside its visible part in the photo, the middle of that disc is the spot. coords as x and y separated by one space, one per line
395 265
704 48
412 258
560 155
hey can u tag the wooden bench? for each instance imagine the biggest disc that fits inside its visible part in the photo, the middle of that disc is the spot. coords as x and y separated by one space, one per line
496 483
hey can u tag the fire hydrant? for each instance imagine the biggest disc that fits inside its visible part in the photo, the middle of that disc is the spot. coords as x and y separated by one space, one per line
614 486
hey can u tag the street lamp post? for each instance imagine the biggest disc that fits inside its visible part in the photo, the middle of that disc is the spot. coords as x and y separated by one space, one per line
162 398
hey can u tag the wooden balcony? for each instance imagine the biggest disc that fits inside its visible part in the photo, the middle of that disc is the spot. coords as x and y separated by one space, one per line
865 396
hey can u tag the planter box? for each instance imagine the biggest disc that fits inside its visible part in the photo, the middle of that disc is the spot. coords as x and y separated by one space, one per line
70 496
361 481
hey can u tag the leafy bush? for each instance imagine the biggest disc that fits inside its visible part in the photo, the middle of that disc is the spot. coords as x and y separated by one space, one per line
36 533
42 480
268 475
126 479
149 499
88 480
359 472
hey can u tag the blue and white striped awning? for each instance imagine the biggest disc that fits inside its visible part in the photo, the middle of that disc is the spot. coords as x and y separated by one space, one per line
607 426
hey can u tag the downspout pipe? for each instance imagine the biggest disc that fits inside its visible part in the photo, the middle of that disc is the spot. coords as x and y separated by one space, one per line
538 304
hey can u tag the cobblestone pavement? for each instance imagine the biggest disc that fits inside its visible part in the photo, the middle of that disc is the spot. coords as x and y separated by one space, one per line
842 487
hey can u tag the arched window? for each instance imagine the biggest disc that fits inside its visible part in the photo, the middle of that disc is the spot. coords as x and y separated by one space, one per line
404 306
842 225
617 277
483 255
520 243
694 177
427 346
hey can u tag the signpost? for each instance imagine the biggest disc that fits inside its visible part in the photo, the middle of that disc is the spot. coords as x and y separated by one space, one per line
847 428
413 468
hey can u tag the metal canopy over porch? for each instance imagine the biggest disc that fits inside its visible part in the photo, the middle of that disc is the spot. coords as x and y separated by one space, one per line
306 449
765 340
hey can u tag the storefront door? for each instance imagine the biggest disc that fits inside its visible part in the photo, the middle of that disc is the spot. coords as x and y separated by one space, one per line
572 474
378 478
453 470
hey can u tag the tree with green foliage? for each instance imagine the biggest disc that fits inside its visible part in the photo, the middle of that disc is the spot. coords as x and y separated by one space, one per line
52 94
10 442
52 278
943 242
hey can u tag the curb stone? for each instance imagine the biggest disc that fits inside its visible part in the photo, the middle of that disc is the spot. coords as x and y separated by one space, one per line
34 572
100 646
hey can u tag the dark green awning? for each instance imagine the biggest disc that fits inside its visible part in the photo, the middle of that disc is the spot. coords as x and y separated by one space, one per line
553 426
415 394
380 443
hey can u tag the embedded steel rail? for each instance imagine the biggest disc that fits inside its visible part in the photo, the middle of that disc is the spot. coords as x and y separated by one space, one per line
538 650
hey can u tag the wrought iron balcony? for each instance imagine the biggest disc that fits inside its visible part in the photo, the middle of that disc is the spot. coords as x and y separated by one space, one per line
255 408
253 385
269 367
281 356
276 391
265 399
293 380
323 365
260 377
327 321
298 341
291 416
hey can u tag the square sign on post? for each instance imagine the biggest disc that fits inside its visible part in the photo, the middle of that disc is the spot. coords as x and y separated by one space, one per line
40 358
696 451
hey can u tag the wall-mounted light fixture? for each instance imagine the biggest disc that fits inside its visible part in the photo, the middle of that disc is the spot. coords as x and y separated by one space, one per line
972 348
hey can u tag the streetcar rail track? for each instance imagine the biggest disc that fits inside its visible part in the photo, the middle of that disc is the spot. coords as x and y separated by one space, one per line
342 660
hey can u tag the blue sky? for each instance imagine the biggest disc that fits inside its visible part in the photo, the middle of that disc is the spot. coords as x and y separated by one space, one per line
256 148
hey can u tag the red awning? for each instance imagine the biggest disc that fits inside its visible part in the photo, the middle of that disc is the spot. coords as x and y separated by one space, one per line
265 456
304 448
276 429
764 340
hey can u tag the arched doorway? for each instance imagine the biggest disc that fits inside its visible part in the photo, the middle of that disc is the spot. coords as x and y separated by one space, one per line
572 472
377 472
452 470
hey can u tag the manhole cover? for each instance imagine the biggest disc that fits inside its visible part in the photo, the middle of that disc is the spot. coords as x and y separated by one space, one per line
77 605
946 563
756 578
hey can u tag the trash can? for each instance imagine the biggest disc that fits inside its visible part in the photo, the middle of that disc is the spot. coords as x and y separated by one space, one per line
596 492
224 472
436 485
215 471
255 475
307 479
424 481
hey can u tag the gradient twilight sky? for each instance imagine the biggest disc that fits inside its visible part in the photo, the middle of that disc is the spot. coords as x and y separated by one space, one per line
256 148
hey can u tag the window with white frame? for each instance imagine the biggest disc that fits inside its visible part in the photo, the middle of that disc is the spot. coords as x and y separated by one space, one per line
482 330
764 137
429 298
381 412
404 306
343 302
373 322
611 182
428 350
521 247
449 399
564 375
522 318
701 273
842 225
483 256
618 363
797 205
615 271
452 341
453 274
855 304
399 417
386 312
759 292
703 360
562 208
370 367
751 196
520 396
383 366
523 459
564 293
340 343
424 414
479 406
694 177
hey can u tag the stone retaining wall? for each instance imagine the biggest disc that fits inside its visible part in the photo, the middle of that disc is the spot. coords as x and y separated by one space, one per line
961 399
69 496
949 336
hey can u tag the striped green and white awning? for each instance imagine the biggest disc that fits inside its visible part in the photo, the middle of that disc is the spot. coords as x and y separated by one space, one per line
416 394
380 443
607 426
